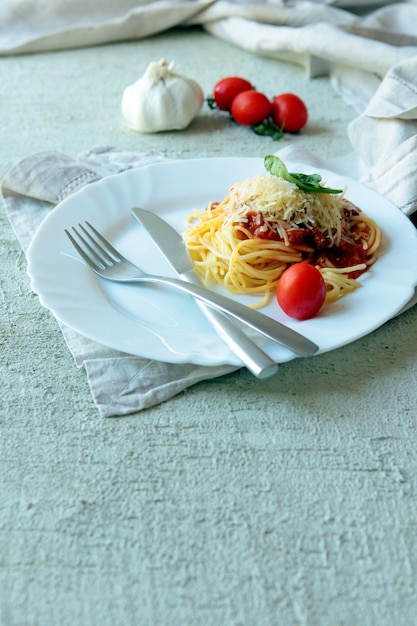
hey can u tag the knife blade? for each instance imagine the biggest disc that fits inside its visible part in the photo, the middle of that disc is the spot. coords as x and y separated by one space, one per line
172 247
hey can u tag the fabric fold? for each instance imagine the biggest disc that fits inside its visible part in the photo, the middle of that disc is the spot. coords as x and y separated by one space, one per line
36 26
385 135
322 39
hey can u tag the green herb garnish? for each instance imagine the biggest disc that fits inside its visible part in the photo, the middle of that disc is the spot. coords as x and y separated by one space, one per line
307 182
268 128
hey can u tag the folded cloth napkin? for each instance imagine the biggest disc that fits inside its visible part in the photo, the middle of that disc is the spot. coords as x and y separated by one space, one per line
385 135
119 383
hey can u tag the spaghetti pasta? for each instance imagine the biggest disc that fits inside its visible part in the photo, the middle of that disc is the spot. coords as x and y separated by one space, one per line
266 223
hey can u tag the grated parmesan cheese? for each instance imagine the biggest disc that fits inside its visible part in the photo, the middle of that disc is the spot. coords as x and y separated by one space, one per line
283 203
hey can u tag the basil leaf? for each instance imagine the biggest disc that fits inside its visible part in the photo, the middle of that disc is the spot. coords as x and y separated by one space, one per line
306 182
276 167
310 179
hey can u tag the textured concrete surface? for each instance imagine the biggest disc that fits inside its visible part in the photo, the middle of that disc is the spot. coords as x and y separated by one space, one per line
238 503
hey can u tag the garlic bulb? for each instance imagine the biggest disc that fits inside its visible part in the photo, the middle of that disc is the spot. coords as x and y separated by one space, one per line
161 100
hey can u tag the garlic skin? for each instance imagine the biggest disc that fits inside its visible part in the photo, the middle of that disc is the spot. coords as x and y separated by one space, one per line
161 100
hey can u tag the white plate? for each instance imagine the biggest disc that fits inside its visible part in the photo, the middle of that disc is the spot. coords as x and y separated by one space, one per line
159 323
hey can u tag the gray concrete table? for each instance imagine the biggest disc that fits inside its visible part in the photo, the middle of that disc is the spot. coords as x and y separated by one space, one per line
284 502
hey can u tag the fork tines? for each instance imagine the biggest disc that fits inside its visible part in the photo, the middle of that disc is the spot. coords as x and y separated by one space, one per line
95 250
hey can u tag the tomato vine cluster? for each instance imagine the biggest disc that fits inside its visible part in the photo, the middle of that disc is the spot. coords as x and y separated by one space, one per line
249 107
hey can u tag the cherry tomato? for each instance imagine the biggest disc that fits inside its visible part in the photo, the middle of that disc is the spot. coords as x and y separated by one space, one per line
226 90
250 108
301 291
289 112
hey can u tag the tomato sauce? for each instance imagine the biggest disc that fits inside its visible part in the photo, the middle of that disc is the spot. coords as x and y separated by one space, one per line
312 243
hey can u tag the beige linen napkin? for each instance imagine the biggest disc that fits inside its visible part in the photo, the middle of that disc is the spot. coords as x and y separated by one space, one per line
38 25
119 383
385 135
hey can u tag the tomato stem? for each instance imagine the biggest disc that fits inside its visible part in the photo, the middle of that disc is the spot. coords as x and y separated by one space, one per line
268 128
211 102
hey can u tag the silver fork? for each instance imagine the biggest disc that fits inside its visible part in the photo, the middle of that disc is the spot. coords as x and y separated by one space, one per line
109 263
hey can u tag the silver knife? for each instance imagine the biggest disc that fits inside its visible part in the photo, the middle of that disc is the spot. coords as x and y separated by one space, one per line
171 245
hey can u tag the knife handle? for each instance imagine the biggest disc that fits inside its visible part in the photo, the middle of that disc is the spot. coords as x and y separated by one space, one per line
255 359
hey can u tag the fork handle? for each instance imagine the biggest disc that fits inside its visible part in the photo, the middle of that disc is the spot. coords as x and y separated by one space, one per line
254 359
250 317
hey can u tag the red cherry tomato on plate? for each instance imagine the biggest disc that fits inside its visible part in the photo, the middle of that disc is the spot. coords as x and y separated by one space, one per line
301 291
250 108
226 90
289 112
